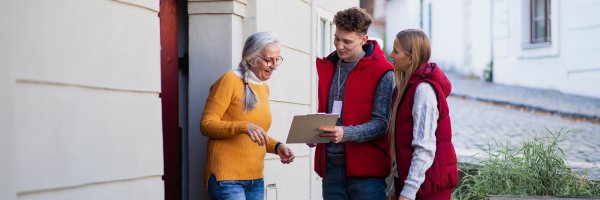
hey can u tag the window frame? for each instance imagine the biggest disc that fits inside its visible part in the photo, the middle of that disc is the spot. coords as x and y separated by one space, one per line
534 19
528 50
325 32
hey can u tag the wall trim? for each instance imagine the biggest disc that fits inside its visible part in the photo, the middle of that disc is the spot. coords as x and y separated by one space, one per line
89 87
126 2
217 7
79 186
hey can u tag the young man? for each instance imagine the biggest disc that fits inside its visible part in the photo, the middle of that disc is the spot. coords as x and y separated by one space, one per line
355 81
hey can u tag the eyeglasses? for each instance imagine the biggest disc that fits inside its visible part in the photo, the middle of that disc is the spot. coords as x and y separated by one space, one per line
270 62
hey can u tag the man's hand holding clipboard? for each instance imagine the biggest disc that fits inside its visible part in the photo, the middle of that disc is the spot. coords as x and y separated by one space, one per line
335 134
314 128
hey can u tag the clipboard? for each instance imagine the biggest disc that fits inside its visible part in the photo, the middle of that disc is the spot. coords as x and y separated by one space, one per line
305 128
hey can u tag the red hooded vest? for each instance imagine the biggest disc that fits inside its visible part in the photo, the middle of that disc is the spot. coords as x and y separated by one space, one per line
368 159
443 173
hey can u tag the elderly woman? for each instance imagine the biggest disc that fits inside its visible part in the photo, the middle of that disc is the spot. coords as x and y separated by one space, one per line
236 120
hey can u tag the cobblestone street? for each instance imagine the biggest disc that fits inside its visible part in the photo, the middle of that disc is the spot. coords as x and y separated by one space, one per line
477 126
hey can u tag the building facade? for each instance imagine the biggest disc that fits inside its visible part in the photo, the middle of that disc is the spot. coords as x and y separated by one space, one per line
81 84
549 44
81 114
546 44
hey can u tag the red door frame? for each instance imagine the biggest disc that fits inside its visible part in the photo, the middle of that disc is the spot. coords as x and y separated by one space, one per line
170 99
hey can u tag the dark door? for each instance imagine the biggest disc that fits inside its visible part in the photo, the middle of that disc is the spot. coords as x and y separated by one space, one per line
170 99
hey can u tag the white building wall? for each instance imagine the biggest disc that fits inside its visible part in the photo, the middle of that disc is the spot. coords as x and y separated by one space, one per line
514 62
6 134
581 47
569 64
448 41
459 30
333 6
460 35
400 15
87 116
7 112
293 87
478 52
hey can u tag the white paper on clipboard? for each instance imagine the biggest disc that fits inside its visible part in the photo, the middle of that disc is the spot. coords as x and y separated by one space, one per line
305 128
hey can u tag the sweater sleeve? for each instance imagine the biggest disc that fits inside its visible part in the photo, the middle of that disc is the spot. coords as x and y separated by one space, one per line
221 95
425 114
271 145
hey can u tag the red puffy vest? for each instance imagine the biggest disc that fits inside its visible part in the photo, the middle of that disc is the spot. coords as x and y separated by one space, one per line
443 173
368 159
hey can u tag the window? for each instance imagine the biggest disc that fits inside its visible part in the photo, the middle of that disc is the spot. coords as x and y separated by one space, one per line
540 21
539 27
325 37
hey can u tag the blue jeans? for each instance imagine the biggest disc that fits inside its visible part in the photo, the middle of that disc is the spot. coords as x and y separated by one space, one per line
337 186
236 190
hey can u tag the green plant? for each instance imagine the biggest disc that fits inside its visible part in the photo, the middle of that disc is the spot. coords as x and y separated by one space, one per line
536 167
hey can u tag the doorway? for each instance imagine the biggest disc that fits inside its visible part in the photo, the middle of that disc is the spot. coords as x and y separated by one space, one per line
169 56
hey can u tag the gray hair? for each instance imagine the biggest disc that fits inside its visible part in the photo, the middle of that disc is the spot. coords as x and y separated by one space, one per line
252 49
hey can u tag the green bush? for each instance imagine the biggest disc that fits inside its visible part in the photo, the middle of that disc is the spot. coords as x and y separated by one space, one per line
535 168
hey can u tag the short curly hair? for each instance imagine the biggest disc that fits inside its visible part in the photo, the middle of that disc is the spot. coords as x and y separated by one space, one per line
353 20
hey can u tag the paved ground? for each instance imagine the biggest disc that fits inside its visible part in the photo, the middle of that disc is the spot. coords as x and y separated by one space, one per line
537 99
477 124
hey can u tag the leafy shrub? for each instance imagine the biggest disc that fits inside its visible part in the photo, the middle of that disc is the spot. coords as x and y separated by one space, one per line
536 168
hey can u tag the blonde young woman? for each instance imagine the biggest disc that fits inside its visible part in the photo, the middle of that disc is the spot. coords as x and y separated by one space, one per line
236 120
421 136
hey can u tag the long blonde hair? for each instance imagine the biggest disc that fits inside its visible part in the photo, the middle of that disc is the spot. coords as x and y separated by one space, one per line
416 44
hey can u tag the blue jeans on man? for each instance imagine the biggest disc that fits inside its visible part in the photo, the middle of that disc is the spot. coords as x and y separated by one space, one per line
336 185
236 189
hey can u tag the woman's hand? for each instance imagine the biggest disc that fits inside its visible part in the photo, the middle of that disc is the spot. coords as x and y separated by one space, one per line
257 134
285 153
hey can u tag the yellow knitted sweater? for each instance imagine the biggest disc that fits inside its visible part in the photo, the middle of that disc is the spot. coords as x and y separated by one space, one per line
231 154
